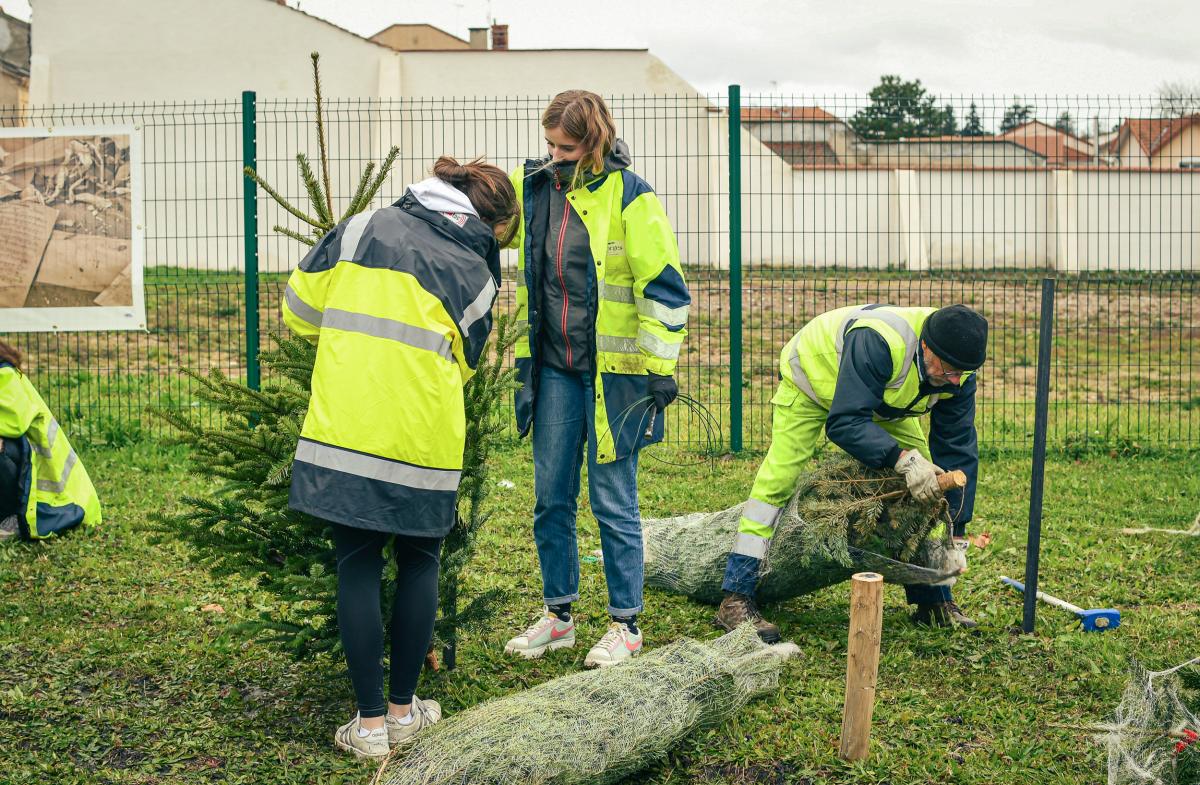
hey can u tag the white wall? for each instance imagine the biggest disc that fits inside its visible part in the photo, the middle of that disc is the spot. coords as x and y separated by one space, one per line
184 50
1069 220
539 73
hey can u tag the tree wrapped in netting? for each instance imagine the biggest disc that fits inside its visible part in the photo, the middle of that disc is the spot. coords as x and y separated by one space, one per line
613 721
1154 736
843 518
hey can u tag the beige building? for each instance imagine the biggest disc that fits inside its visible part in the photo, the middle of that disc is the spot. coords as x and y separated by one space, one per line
418 37
14 61
1159 143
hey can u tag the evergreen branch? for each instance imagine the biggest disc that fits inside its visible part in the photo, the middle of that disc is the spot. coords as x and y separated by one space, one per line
321 145
282 202
385 169
294 235
363 181
315 193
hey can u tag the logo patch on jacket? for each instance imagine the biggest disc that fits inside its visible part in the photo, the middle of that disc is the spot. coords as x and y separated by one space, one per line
460 219
616 248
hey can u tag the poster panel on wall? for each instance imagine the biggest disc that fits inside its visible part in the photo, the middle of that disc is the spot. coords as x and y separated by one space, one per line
71 229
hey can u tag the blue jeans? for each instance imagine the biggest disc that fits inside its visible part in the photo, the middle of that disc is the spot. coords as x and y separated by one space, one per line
562 427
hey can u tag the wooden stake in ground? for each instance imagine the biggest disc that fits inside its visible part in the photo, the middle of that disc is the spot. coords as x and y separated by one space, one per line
862 663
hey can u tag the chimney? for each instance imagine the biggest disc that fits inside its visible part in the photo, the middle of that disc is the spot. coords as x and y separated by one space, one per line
479 37
499 37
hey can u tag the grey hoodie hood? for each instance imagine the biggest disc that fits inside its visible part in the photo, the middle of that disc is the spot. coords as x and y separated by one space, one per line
441 197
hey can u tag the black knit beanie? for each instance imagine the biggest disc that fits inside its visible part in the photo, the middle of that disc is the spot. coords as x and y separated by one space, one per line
957 335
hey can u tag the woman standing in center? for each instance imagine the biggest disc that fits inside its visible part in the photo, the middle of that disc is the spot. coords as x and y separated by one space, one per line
601 289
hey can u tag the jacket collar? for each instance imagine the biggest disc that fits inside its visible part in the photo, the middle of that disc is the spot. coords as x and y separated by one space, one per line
465 229
618 158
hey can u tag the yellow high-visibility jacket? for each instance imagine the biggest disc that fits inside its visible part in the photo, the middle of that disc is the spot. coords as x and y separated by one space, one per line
55 491
399 302
638 302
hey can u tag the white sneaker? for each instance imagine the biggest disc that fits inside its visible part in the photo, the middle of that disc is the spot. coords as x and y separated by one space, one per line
617 646
424 714
373 745
546 634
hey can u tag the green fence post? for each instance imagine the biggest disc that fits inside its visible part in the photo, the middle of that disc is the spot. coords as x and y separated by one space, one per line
735 268
250 220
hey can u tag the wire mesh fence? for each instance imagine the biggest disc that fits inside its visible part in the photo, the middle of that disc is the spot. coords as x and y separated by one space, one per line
842 200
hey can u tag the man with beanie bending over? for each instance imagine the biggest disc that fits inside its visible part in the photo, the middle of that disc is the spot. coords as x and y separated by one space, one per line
865 374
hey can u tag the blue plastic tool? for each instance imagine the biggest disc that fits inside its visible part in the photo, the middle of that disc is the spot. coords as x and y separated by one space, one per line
1093 620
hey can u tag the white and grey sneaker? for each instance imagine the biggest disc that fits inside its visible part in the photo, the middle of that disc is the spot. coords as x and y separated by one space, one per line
617 645
423 712
372 745
546 634
8 527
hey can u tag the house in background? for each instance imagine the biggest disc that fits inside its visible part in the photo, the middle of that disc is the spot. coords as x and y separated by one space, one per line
801 135
948 152
14 61
427 38
1159 143
1057 147
417 38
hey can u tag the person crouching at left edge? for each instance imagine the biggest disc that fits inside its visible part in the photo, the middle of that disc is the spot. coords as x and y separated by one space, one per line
399 302
602 292
44 489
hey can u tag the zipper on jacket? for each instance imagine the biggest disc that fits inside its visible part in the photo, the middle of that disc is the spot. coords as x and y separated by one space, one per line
562 233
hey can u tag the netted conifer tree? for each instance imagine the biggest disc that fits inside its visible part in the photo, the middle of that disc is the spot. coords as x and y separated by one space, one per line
244 526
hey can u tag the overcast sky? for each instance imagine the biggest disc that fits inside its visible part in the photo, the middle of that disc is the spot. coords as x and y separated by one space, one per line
955 47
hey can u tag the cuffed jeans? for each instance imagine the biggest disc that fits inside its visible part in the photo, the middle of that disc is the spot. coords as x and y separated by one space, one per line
563 427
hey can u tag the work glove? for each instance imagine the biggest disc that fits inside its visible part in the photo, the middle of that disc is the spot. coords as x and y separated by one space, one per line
663 389
920 474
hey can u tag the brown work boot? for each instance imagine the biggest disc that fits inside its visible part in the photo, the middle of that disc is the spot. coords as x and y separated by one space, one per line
739 608
943 614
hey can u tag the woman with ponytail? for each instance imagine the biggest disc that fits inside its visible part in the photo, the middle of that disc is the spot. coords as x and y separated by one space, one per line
601 288
398 301
44 489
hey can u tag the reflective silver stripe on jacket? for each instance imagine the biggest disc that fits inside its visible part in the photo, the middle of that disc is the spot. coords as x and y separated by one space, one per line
389 329
61 486
352 235
479 308
751 545
616 293
656 310
302 309
761 512
617 345
51 435
895 321
657 346
375 468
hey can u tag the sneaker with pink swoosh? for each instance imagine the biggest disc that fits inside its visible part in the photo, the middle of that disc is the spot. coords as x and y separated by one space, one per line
546 634
616 646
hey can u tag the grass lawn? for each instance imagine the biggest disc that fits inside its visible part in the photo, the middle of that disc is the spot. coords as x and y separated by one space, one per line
113 671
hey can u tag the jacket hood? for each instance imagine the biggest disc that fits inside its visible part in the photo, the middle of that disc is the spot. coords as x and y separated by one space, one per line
439 196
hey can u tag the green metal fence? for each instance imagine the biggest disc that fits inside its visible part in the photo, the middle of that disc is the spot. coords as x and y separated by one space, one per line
783 206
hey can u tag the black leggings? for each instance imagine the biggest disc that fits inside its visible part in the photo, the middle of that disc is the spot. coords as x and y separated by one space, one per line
360 619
